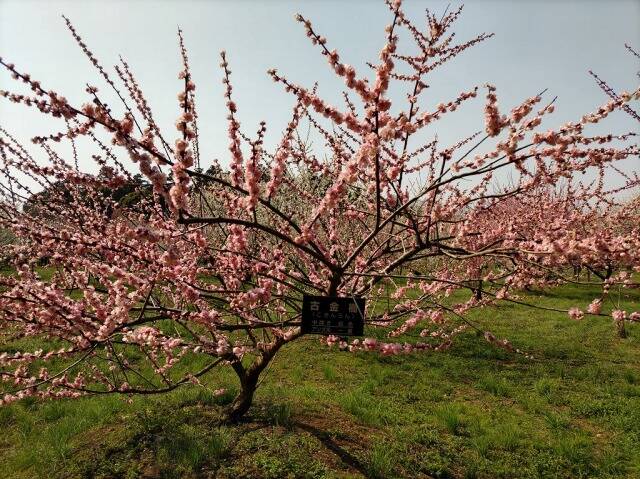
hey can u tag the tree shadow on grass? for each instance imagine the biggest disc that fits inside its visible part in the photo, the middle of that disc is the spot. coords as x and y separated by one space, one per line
325 438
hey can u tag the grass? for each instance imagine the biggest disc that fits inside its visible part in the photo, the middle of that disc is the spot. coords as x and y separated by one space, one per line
573 411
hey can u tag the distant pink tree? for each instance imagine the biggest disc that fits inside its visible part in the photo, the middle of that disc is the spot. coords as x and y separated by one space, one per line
207 269
563 230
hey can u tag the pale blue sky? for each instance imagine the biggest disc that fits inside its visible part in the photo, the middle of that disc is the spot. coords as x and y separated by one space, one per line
537 45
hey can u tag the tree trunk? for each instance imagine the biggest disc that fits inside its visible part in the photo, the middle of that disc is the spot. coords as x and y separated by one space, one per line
249 380
244 399
478 292
609 271
621 330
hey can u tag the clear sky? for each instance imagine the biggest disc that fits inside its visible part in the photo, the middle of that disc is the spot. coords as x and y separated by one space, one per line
537 45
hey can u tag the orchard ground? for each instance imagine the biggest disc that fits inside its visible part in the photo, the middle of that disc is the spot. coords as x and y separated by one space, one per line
473 411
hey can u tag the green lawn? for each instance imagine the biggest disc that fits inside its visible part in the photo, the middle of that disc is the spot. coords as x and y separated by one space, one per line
473 411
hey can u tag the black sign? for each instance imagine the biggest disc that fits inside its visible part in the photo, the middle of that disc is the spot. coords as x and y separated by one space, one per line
332 315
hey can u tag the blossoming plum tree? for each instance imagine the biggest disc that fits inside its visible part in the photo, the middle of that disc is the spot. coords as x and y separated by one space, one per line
209 267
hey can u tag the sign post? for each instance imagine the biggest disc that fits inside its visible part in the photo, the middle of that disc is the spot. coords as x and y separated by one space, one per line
330 315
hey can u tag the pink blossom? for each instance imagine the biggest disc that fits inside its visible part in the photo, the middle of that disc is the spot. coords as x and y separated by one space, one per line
595 306
618 315
576 314
370 344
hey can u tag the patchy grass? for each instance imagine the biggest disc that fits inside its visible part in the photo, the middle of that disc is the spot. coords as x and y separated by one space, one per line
471 412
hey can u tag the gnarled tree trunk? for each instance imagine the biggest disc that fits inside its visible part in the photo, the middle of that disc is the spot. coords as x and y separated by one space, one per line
249 380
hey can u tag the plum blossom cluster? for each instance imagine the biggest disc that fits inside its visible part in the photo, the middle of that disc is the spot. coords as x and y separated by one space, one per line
186 125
